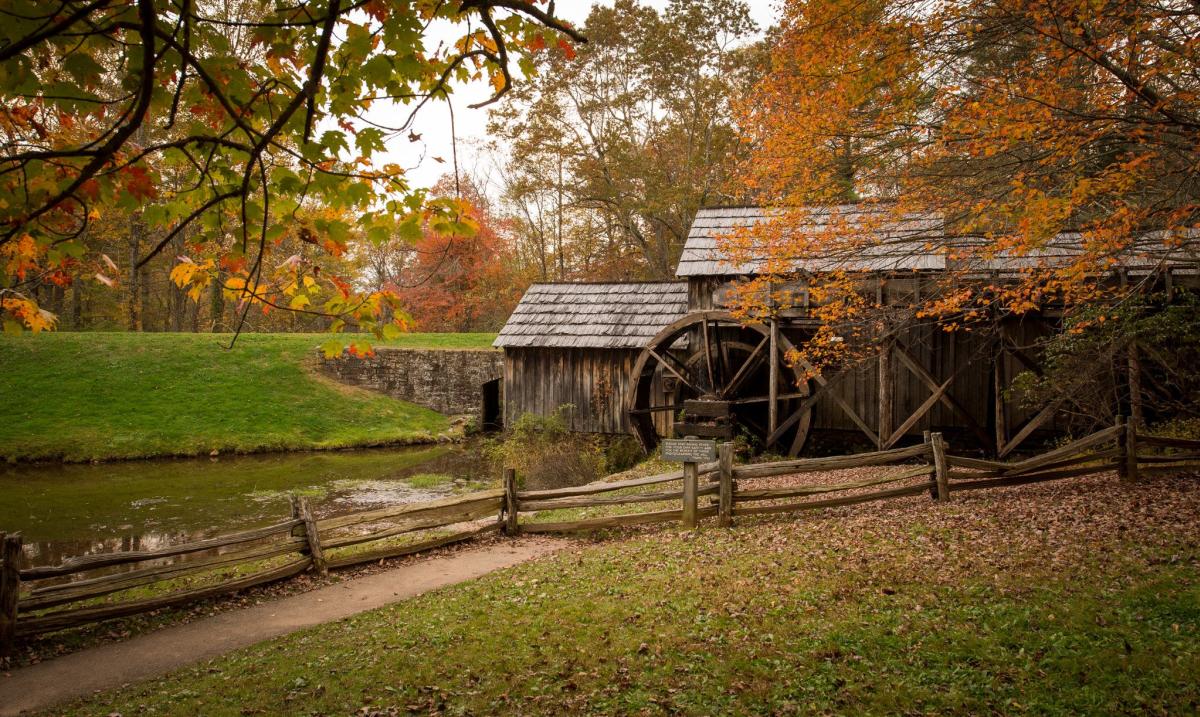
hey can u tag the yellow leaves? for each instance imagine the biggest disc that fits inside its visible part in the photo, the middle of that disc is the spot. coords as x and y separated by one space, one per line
193 277
24 313
298 302
498 81
20 255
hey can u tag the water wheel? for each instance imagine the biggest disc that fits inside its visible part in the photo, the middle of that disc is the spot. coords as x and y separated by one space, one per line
711 357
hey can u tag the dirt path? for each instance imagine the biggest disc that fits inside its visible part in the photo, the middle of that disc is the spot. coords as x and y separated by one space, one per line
109 666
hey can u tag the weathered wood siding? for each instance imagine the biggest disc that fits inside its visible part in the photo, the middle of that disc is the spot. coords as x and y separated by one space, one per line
593 381
969 357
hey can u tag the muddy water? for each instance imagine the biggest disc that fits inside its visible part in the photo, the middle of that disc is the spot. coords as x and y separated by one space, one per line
66 510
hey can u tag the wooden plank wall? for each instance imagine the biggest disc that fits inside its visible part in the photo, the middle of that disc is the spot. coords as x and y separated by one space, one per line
594 381
969 355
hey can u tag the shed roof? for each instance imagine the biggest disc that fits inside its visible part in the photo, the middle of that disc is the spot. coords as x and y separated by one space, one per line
594 315
897 245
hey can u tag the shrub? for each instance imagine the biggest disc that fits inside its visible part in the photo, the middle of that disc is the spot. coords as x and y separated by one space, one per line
546 454
623 453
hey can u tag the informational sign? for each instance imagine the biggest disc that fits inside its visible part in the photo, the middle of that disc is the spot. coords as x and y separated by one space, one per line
689 450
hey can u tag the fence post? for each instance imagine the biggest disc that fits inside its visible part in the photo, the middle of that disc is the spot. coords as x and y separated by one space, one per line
928 439
511 526
1123 449
10 588
294 502
939 466
690 480
725 504
1131 465
301 510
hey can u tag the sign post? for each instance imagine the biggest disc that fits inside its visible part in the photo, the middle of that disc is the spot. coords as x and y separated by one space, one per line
692 452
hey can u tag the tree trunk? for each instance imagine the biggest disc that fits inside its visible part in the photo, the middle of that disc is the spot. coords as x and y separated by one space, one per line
134 308
217 304
76 305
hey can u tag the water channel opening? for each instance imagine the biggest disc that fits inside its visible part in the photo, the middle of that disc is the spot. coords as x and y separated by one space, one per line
490 418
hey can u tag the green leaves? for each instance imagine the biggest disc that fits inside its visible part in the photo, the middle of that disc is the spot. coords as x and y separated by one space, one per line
215 146
83 68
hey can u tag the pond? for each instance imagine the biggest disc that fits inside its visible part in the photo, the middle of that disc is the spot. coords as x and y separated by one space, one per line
64 510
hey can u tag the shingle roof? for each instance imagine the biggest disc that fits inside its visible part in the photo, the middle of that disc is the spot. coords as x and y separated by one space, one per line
898 245
592 315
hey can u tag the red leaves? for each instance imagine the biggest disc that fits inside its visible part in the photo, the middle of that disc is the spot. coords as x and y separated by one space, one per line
567 49
233 263
139 184
90 189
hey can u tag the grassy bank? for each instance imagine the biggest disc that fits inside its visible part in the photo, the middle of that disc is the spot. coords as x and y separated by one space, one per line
1081 597
86 396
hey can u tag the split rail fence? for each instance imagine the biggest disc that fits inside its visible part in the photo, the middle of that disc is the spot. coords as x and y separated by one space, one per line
38 600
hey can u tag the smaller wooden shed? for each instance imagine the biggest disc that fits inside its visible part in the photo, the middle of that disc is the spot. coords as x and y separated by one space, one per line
574 344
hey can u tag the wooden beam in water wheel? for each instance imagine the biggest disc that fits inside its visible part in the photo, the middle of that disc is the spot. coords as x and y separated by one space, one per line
711 356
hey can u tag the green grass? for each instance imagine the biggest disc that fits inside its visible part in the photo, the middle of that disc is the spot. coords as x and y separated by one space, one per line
96 396
1069 599
429 480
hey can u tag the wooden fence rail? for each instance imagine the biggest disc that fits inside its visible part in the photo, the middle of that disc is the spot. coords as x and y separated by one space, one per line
28 596
309 541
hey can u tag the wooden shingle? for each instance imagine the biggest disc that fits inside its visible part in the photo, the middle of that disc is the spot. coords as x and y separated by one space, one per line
593 315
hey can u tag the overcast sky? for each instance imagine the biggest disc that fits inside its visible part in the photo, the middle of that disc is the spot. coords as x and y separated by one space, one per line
433 124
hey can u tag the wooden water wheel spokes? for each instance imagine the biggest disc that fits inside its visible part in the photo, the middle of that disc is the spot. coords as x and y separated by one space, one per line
711 357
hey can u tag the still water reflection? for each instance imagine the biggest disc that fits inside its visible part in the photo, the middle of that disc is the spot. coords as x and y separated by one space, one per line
67 510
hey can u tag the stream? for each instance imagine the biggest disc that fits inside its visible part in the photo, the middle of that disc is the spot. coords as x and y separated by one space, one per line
63 510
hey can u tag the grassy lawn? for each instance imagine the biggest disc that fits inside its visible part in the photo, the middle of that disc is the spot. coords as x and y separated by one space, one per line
1081 597
85 396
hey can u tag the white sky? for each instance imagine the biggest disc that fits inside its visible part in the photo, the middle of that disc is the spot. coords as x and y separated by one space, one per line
433 123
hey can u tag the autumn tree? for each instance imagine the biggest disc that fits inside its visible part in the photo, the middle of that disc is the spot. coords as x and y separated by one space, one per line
222 128
615 144
1037 147
455 282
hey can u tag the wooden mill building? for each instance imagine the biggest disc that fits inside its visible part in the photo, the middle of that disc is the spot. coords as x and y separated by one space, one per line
574 345
636 357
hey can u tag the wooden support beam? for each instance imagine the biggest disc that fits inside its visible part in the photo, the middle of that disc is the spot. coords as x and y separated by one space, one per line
1000 415
773 386
841 402
1030 426
313 536
947 398
1134 365
939 467
708 359
667 365
887 389
727 486
752 361
690 484
702 430
797 415
706 409
938 393
511 506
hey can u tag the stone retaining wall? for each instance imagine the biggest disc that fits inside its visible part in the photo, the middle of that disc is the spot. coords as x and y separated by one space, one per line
449 381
